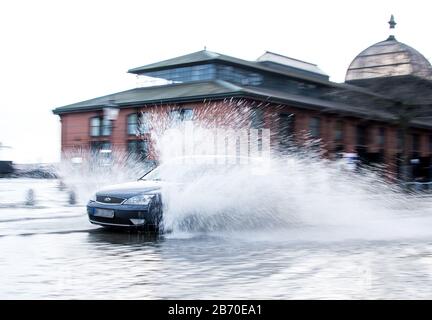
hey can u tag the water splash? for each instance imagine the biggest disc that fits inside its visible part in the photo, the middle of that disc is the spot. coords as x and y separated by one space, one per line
83 173
290 193
297 192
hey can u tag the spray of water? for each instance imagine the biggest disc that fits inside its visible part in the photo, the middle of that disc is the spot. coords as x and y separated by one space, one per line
288 192
297 190
83 172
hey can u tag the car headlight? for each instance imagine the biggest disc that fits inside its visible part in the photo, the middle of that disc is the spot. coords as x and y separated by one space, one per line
143 199
93 197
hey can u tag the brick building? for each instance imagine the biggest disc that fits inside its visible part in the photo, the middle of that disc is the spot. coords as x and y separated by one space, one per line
292 97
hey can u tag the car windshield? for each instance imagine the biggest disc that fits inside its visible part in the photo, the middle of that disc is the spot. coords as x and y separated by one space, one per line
185 171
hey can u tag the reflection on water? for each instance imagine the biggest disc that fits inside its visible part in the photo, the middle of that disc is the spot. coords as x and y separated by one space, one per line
101 264
54 252
103 236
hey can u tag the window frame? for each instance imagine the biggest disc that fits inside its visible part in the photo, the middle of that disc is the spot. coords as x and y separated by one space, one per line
339 131
181 115
381 137
364 140
106 124
136 124
102 125
416 142
257 118
138 153
316 126
91 126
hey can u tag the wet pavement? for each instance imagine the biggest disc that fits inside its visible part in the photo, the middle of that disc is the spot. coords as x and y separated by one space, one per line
52 251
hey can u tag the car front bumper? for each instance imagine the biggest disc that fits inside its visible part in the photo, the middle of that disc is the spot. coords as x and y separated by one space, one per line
127 216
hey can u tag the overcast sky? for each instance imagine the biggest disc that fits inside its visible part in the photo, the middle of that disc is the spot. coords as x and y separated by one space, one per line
55 53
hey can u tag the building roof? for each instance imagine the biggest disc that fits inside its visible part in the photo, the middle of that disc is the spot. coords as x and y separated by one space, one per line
285 61
217 89
193 91
389 58
204 56
178 92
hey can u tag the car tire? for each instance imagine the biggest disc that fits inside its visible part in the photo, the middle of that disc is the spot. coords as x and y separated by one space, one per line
156 213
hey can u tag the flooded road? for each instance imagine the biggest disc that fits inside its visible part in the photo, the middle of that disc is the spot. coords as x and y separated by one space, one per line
52 251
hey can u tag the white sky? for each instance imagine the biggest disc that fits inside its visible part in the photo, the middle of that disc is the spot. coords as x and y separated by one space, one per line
55 53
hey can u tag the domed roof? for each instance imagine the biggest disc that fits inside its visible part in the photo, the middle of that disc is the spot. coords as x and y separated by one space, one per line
387 59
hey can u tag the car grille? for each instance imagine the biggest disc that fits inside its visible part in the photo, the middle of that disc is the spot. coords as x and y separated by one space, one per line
109 199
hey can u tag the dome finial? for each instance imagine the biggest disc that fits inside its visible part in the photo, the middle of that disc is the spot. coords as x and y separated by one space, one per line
392 24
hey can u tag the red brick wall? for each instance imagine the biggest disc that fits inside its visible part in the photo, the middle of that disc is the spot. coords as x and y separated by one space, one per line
75 129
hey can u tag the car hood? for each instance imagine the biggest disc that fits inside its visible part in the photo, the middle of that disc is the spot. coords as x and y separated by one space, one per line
129 189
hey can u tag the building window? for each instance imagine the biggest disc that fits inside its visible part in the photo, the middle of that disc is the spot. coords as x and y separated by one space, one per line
106 127
101 150
400 139
186 74
415 142
257 119
362 138
430 143
138 149
177 116
381 137
97 146
187 114
100 127
144 123
205 72
238 75
338 131
286 129
138 124
315 127
132 124
95 124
